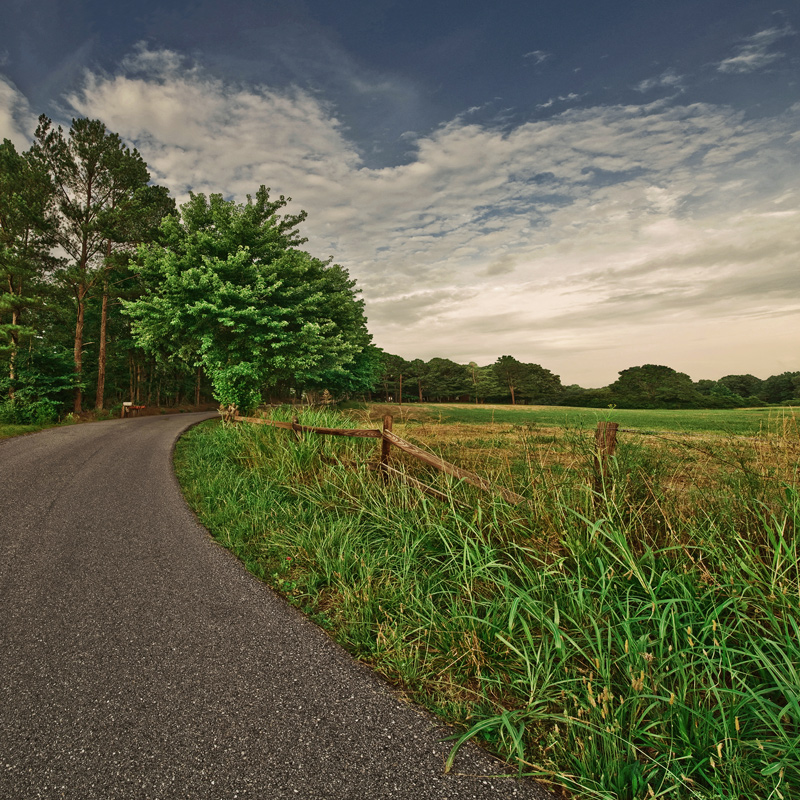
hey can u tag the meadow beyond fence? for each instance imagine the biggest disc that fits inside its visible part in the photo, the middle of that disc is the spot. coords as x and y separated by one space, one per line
641 640
605 438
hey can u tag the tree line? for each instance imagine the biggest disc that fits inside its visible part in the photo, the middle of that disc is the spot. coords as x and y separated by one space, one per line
508 380
110 292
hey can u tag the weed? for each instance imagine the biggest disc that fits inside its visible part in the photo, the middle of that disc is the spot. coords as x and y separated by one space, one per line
640 642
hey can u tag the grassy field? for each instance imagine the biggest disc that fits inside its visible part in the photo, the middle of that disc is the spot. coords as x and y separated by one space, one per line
741 422
640 641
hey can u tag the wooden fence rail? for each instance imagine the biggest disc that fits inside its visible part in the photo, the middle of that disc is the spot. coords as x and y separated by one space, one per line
389 440
605 447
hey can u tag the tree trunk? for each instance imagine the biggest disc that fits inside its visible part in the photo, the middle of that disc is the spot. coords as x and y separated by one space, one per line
78 352
138 382
401 389
197 388
513 401
150 375
12 359
101 357
419 387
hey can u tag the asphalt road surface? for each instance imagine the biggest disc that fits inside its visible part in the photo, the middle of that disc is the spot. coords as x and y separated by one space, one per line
138 659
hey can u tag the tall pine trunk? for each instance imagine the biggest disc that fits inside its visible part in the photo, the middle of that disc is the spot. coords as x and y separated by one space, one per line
101 356
12 359
78 352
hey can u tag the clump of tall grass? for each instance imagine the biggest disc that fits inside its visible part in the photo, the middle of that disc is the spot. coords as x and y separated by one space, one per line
639 642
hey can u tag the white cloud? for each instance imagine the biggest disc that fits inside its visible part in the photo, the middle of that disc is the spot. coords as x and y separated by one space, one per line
668 80
754 53
538 56
562 98
17 121
597 239
200 134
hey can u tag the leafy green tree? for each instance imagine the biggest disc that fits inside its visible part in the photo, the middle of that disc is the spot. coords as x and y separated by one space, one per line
530 382
540 385
781 388
705 387
716 394
417 375
743 385
446 379
227 288
26 237
137 211
43 383
95 177
487 386
358 377
393 368
655 386
510 373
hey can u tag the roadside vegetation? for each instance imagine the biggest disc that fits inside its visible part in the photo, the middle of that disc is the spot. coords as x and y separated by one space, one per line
7 431
643 641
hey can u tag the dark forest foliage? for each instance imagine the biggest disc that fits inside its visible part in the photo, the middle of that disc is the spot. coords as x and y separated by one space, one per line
508 380
219 299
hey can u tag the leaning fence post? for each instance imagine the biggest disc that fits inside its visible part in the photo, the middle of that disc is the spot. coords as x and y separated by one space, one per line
605 438
295 431
386 445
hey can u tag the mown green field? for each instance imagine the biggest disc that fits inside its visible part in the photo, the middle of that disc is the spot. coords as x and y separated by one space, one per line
739 422
638 641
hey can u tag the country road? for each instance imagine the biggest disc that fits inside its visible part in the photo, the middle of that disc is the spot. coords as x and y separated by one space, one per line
139 660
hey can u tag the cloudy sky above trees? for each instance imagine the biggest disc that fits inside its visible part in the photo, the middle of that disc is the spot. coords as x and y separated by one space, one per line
588 186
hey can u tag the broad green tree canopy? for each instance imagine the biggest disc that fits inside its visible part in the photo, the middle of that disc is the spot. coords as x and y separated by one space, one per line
228 288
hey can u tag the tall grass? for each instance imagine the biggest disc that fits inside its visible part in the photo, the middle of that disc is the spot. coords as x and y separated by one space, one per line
639 642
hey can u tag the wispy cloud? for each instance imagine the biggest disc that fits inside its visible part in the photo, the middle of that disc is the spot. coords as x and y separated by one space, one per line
755 51
562 98
538 56
17 121
667 80
639 231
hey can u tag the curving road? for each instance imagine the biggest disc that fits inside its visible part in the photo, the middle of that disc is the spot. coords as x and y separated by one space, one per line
138 659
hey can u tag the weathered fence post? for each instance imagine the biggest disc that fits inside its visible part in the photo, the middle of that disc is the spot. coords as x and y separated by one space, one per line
605 438
386 446
295 431
228 413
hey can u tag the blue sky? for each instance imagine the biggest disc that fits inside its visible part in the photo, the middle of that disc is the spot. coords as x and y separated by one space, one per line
586 185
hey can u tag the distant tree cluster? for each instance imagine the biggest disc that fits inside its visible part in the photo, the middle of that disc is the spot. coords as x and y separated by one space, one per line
511 381
440 379
107 290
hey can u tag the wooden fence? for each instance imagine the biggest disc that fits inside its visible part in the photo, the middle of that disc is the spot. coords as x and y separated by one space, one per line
604 450
389 440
